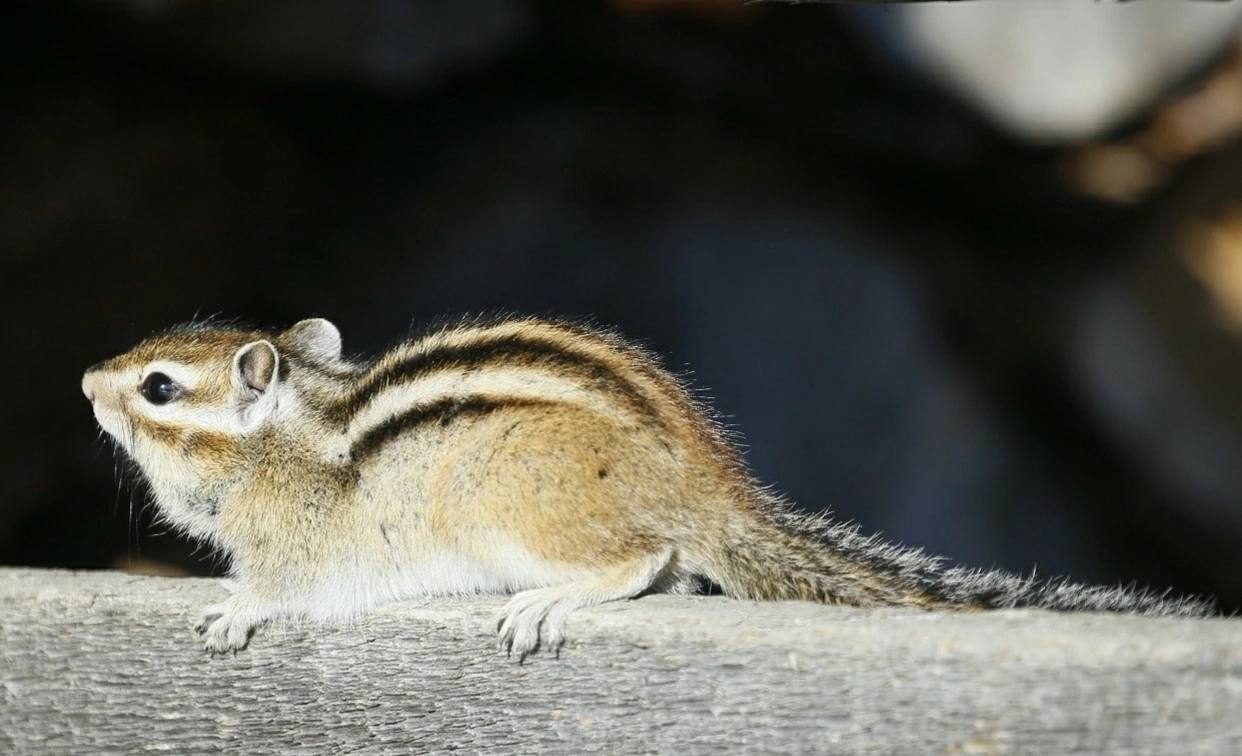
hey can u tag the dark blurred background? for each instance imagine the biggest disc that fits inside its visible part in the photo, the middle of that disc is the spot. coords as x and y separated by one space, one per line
969 274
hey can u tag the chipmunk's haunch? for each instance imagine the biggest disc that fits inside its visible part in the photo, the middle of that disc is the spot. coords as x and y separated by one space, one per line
551 460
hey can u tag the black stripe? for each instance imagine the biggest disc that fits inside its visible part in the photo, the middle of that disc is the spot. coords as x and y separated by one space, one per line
502 351
293 358
443 412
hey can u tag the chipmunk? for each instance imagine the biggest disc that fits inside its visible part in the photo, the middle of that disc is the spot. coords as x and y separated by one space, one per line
553 461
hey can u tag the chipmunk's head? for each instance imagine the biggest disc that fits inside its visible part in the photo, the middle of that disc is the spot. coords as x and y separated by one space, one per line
182 403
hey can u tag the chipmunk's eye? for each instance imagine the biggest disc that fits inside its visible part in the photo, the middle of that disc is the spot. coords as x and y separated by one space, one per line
159 389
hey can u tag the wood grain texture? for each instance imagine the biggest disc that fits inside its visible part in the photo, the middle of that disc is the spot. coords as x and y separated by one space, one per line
98 662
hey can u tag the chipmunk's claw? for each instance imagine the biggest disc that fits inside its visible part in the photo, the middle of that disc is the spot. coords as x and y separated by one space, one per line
228 626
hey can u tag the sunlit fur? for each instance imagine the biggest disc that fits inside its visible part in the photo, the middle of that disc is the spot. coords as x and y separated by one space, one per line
548 459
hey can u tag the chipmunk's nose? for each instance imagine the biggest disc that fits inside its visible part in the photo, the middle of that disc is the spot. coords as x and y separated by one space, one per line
88 386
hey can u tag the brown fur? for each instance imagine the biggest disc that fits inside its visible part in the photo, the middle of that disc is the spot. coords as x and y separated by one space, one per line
542 457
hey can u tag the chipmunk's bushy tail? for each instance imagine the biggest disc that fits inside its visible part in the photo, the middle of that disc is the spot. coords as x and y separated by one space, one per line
772 553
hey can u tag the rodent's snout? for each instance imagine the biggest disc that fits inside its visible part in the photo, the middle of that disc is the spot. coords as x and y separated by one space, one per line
88 386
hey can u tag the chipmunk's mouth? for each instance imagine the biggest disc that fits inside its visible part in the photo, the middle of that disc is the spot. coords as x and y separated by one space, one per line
103 405
113 423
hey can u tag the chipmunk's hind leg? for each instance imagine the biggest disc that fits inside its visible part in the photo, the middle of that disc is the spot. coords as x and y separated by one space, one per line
535 619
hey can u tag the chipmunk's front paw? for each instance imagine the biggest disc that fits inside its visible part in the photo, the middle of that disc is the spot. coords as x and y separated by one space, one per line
227 626
532 620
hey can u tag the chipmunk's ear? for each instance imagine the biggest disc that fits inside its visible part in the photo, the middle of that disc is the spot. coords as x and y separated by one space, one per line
317 337
254 368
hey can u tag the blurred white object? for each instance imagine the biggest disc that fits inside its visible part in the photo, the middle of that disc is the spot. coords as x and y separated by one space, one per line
1062 70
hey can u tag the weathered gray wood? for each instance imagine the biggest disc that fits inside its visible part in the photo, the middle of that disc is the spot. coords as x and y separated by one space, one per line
105 662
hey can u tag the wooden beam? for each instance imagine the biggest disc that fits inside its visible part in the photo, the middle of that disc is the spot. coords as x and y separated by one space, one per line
99 662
